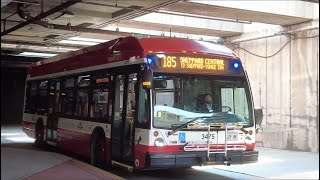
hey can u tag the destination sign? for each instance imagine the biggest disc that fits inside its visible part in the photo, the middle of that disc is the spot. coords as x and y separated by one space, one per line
193 63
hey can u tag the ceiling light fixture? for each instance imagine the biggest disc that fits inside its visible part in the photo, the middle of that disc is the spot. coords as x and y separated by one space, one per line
34 54
85 43
202 16
87 39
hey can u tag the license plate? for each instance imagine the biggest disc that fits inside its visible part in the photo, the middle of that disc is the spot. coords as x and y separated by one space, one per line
232 136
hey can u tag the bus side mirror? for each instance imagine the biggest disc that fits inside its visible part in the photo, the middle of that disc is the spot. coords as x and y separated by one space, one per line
147 78
258 114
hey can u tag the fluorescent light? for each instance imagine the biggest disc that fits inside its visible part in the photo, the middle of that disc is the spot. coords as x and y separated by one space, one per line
38 48
259 26
34 54
78 42
21 139
5 45
88 39
196 16
9 134
51 48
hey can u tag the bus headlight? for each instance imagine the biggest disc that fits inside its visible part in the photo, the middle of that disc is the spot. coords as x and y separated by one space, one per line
159 142
248 140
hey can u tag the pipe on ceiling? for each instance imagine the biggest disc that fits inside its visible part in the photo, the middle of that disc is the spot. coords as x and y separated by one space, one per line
88 30
40 16
127 17
25 2
79 29
24 15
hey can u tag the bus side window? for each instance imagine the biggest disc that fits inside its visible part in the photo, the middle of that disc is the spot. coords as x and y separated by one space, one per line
67 97
99 104
82 103
99 99
82 100
33 96
42 105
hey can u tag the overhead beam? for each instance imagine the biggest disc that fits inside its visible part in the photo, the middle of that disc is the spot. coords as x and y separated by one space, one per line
25 2
41 16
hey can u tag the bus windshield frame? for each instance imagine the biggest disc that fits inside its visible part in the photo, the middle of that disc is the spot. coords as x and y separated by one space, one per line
181 96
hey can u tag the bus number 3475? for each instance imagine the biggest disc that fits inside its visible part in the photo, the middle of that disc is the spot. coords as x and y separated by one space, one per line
205 136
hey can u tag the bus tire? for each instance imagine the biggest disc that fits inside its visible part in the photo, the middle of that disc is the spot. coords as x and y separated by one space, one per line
39 135
98 150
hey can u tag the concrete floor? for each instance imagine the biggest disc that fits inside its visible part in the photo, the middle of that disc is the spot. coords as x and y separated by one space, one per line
21 160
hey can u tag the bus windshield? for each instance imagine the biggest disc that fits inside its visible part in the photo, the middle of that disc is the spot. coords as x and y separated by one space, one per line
177 99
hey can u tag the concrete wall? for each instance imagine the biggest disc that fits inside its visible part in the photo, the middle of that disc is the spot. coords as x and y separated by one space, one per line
285 85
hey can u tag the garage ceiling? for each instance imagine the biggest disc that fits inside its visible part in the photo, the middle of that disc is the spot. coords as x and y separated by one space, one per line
58 26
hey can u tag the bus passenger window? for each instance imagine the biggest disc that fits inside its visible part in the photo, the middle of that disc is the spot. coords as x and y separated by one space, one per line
82 99
131 101
42 104
67 102
82 103
69 83
99 104
84 81
67 97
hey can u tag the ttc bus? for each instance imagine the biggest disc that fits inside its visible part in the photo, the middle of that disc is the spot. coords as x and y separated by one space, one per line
144 104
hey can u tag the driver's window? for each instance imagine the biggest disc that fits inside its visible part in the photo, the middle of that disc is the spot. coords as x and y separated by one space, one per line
227 98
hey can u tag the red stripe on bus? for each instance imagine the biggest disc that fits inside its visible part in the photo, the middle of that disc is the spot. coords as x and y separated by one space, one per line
79 142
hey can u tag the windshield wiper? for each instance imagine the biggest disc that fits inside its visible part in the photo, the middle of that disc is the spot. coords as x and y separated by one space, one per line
183 125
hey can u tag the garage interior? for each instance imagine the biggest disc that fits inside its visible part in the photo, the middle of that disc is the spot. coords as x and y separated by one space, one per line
277 41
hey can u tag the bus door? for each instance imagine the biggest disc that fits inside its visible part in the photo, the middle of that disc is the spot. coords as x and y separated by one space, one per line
122 134
53 110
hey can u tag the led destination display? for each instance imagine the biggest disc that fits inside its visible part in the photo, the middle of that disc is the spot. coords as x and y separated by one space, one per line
190 63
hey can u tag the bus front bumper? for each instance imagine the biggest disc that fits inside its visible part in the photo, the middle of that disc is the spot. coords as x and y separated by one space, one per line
188 159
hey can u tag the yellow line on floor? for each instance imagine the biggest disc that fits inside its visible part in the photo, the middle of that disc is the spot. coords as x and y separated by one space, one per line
97 169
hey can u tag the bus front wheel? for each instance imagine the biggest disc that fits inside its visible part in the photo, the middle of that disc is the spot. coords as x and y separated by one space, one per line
98 150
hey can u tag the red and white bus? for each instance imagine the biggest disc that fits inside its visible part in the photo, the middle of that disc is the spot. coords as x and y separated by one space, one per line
139 103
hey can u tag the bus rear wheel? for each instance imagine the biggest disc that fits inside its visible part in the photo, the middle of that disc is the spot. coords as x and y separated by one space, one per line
98 151
39 135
